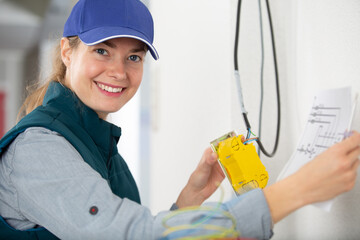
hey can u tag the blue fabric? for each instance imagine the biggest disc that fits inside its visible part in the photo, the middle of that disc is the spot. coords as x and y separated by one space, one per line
60 189
95 21
95 139
45 181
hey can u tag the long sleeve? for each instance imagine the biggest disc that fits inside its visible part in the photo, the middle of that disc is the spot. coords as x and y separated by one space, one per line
44 181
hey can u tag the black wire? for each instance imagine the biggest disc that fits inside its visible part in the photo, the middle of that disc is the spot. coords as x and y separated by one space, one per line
237 30
261 75
277 89
236 66
276 78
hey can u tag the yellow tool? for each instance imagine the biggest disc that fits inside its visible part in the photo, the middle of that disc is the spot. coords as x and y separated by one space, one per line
240 162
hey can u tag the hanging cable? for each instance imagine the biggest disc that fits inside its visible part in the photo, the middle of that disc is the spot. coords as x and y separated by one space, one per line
261 73
277 85
237 78
237 31
236 72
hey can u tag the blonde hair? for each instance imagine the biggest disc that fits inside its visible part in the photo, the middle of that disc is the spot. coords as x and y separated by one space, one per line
36 92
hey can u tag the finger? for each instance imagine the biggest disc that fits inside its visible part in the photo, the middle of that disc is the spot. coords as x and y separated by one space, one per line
208 150
354 155
207 161
220 171
211 160
356 165
211 164
351 142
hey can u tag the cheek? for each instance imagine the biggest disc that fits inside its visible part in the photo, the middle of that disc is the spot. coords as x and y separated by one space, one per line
138 82
94 69
89 70
85 67
137 78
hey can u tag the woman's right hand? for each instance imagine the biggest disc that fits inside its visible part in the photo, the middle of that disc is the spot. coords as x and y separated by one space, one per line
329 174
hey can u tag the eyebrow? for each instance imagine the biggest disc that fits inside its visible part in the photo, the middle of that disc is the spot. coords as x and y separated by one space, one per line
138 50
111 45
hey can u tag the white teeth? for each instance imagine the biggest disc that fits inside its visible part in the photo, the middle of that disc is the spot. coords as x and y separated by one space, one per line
109 89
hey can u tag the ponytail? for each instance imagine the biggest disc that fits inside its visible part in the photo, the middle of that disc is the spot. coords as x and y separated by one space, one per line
36 92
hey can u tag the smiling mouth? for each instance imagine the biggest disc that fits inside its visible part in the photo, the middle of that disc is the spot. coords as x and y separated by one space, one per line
109 89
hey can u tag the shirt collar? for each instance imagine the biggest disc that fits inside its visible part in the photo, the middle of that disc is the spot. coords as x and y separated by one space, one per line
68 103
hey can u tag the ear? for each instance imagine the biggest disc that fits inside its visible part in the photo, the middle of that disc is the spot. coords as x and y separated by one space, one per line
66 51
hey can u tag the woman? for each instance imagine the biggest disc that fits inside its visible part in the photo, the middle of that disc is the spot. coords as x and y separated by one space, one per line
62 177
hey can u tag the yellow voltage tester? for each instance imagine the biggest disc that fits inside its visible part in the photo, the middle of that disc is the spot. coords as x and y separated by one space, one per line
240 163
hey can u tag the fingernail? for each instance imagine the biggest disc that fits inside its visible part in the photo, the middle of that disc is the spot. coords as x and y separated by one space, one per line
348 134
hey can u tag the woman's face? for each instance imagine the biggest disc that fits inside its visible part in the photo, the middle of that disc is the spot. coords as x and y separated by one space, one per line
104 76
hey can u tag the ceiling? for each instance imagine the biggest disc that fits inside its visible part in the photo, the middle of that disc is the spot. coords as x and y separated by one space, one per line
24 23
37 7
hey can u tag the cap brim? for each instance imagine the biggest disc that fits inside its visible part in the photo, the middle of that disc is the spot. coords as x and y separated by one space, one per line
99 35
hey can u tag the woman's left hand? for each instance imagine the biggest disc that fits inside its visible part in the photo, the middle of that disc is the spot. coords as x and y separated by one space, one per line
203 181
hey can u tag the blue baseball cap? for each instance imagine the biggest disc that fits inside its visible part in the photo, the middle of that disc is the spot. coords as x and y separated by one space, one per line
96 21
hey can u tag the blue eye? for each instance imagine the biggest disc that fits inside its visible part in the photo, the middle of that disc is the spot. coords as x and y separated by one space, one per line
101 51
134 58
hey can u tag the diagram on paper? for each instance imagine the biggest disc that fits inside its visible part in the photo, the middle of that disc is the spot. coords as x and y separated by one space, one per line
323 129
327 123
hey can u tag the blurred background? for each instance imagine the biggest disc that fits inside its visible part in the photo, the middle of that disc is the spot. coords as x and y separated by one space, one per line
188 98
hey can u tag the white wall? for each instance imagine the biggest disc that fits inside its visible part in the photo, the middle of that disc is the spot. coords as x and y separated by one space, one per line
190 89
194 98
327 56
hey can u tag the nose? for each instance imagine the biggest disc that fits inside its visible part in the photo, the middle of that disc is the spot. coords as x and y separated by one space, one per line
117 70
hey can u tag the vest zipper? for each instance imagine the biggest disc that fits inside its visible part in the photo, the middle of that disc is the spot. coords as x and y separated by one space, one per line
110 152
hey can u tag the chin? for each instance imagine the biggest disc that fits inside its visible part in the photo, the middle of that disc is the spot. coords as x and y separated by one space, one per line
110 110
